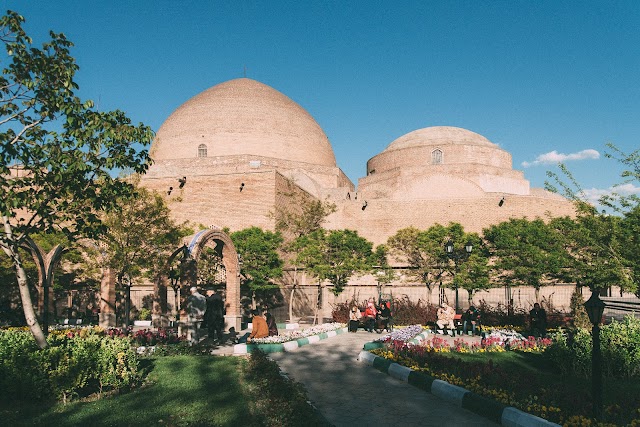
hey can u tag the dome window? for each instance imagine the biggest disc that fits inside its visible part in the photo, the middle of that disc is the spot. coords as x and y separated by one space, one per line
436 157
202 150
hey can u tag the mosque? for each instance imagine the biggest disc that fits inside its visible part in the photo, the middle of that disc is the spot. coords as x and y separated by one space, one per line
234 154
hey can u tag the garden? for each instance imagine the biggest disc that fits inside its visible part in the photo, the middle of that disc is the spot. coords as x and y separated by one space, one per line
89 376
548 377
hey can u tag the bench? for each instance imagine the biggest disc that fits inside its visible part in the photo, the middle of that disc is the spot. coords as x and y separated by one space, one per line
362 323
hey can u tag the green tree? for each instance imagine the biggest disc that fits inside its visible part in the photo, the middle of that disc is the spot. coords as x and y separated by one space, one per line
423 253
139 238
301 216
58 155
335 256
469 271
631 175
594 248
630 247
261 263
526 253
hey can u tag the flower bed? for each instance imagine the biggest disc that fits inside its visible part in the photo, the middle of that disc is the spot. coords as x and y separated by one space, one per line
301 333
291 340
545 394
405 334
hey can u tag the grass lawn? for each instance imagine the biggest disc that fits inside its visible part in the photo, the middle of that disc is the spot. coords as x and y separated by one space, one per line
181 390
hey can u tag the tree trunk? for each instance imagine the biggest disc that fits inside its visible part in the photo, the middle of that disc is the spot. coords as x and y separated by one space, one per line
293 291
23 287
429 293
315 315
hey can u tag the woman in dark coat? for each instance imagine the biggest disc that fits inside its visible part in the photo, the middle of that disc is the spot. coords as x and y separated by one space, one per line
271 323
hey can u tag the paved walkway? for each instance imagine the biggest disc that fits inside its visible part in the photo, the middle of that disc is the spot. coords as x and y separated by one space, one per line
351 393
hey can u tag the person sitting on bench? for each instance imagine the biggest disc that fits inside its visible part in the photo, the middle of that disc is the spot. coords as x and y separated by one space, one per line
470 319
370 315
384 316
354 319
445 317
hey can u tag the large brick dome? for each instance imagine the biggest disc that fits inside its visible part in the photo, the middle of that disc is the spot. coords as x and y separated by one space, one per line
242 117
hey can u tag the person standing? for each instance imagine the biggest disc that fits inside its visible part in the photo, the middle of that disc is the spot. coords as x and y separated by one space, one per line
384 316
196 307
538 319
214 317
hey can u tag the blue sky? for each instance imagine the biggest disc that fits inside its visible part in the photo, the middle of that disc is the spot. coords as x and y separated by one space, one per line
546 80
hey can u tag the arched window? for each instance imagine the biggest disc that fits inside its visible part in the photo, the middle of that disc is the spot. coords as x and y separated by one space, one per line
202 150
436 157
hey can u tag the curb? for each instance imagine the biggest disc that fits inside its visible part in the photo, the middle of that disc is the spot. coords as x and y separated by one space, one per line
502 414
240 349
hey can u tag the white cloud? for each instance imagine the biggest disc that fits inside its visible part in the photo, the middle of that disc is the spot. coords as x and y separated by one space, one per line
554 157
593 194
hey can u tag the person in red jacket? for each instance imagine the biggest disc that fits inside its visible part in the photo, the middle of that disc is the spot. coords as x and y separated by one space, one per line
370 315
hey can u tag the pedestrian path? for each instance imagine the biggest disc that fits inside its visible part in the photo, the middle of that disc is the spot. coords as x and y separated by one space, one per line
350 393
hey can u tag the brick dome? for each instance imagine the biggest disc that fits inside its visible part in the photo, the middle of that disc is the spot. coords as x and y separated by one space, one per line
438 135
439 146
242 117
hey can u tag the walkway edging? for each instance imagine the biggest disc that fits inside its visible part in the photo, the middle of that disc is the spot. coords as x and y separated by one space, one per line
240 349
507 416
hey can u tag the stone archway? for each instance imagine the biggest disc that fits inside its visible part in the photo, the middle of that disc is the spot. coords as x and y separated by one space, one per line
191 251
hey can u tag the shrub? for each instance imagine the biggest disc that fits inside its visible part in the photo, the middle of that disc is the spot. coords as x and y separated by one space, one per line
619 342
578 312
407 312
144 314
404 311
73 365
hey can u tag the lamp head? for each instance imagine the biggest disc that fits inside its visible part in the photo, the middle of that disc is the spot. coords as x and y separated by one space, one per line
448 247
595 308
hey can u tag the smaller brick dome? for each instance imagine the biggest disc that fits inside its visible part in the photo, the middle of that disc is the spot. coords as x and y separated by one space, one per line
439 146
438 135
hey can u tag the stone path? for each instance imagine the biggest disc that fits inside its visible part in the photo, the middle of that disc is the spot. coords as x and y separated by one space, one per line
351 393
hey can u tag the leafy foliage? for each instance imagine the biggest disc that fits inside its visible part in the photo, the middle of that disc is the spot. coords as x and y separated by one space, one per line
261 264
139 237
334 255
619 342
527 253
72 365
422 251
57 154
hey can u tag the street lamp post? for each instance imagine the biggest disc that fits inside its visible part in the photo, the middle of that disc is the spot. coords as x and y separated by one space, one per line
595 309
127 302
449 249
174 277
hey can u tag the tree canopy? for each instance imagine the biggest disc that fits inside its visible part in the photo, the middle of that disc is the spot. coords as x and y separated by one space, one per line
58 155
334 255
140 236
526 253
261 265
